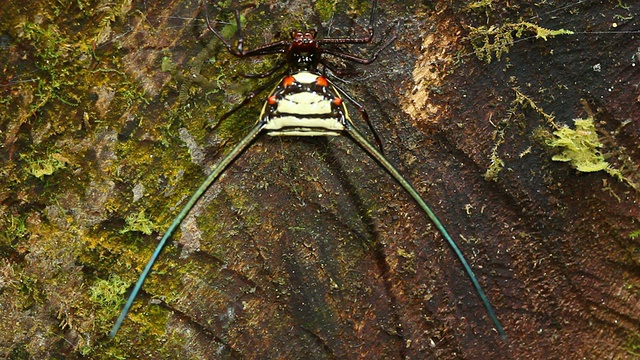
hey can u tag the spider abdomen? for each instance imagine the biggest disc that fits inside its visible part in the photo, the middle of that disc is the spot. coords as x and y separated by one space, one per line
304 104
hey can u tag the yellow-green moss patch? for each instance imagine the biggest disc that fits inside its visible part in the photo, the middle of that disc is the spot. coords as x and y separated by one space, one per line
579 147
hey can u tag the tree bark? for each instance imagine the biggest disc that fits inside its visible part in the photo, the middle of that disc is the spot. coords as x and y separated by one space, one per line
305 247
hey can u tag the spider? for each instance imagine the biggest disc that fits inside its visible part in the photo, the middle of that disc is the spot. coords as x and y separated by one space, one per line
303 102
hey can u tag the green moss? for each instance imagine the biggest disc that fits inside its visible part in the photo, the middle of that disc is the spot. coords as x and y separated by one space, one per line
480 4
54 51
169 66
108 294
633 344
494 168
497 40
496 164
44 167
30 292
131 94
623 6
14 227
523 100
325 9
579 147
138 222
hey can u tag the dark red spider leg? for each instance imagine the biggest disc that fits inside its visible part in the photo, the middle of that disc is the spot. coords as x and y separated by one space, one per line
272 48
362 40
246 100
357 59
363 112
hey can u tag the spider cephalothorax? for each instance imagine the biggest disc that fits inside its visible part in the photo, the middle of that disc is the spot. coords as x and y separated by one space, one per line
303 53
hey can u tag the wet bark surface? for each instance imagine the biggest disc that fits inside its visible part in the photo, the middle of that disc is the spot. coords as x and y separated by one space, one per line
306 248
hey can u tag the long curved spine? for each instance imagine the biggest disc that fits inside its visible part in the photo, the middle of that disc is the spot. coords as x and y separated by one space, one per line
218 169
374 153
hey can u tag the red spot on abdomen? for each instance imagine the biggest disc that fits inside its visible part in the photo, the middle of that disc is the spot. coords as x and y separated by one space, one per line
322 81
288 81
